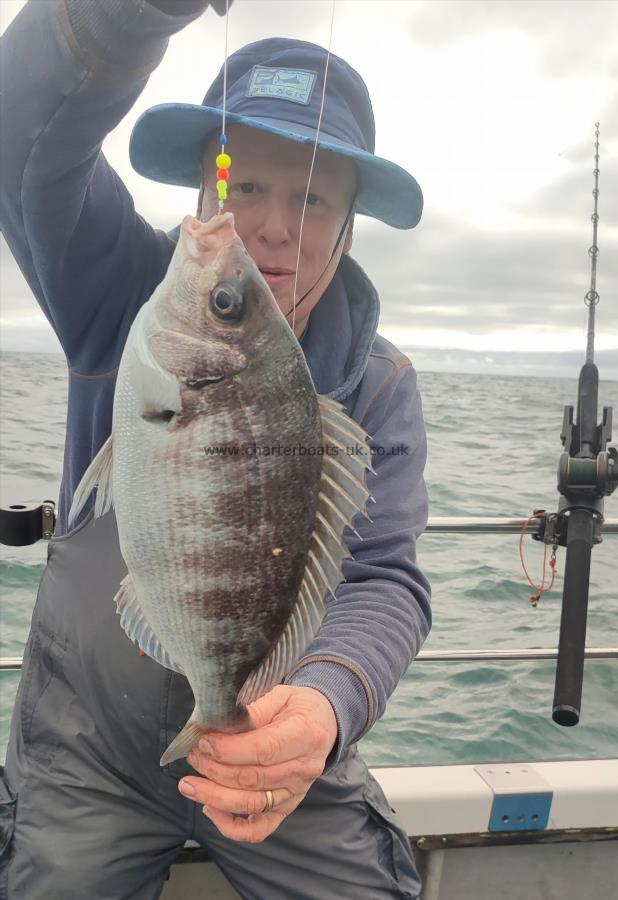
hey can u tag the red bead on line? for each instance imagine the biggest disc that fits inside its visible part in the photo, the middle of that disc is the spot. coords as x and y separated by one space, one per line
223 174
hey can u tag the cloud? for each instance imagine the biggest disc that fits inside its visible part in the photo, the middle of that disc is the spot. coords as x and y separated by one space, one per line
448 273
251 21
501 252
570 32
583 151
569 198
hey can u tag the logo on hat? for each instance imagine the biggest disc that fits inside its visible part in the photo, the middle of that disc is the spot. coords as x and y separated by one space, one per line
281 84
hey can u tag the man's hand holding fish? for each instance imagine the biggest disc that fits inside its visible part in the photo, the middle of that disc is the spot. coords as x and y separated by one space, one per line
295 731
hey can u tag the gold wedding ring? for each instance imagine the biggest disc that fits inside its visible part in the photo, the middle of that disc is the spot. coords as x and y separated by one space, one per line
270 802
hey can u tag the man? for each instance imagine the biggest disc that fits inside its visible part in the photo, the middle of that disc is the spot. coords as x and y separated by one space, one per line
95 815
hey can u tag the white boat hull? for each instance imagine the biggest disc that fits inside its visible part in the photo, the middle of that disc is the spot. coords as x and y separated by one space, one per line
466 851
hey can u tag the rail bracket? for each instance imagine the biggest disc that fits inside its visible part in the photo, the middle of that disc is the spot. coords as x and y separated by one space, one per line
522 798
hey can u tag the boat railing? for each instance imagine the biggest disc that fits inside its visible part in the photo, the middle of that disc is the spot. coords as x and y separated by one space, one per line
498 525
466 525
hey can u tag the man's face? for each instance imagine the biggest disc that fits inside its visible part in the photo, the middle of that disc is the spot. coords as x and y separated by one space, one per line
266 192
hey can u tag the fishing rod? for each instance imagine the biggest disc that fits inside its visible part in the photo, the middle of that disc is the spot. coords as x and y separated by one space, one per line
587 473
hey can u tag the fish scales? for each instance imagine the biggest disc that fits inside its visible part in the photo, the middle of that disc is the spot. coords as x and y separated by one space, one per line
215 467
249 505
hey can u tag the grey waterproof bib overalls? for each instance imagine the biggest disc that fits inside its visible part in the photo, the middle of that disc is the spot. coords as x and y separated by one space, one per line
96 817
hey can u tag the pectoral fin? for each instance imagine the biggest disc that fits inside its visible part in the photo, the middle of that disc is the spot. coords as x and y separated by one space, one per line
98 475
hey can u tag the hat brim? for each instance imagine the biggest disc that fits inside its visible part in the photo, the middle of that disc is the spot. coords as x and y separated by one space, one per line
167 145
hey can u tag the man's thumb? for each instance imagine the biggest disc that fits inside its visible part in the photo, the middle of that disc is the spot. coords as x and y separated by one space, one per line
264 710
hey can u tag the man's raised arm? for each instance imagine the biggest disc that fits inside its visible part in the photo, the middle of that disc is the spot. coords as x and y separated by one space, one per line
70 71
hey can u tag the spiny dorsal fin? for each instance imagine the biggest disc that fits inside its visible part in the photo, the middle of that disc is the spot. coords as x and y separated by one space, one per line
343 494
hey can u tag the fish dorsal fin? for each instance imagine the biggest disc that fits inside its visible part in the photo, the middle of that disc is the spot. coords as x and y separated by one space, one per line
137 628
98 475
343 494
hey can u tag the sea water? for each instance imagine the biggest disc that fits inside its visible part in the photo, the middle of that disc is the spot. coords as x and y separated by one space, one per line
493 451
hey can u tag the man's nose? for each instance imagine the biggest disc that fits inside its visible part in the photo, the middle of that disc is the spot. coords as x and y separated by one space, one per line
275 225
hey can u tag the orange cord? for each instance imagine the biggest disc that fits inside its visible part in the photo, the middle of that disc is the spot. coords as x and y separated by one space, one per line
539 588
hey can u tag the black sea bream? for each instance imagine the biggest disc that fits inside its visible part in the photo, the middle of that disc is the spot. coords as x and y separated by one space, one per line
231 479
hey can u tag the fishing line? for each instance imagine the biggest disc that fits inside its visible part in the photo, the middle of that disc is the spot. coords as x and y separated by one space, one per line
224 161
315 149
341 234
227 19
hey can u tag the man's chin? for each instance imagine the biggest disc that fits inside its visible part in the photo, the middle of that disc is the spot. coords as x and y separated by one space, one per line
283 299
291 315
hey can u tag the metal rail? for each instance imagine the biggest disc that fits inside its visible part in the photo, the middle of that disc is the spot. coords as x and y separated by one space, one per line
13 663
502 525
465 525
545 653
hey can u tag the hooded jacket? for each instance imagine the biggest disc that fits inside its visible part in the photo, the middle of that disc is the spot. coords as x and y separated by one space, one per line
70 72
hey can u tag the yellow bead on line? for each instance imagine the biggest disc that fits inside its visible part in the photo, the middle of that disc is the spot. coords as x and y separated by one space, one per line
223 161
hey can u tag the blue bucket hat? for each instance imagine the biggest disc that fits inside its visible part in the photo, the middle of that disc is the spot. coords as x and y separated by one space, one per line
276 85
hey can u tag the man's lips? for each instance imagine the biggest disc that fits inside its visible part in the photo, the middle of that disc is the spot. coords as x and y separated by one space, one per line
274 276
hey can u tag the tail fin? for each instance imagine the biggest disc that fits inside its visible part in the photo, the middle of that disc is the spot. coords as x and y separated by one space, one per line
184 741
193 730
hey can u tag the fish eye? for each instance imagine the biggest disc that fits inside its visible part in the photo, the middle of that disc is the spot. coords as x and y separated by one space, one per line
227 303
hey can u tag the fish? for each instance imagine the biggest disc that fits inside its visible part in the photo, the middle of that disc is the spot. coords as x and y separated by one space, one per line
232 482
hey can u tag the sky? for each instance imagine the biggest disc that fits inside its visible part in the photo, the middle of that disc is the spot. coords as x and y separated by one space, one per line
491 105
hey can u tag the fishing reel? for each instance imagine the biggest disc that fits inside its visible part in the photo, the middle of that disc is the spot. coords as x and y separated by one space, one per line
583 484
595 476
583 481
